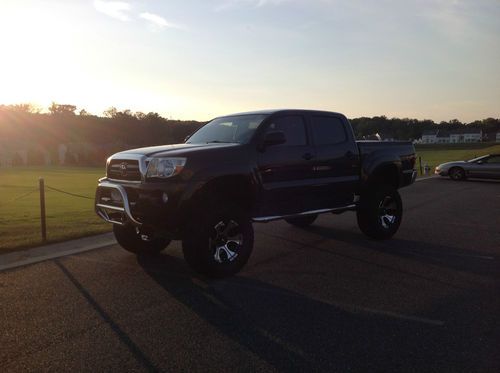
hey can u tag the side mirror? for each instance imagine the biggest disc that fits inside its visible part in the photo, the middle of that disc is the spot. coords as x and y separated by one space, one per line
274 138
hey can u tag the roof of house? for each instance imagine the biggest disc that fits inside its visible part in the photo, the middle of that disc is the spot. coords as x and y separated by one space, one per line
443 134
429 133
467 131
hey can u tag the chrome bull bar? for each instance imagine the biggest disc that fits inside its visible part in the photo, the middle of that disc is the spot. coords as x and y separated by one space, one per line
109 212
413 176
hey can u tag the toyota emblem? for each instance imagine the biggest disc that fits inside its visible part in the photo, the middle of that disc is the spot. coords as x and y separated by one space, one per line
123 168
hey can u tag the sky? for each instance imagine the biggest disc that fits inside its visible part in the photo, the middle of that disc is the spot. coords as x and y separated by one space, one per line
198 59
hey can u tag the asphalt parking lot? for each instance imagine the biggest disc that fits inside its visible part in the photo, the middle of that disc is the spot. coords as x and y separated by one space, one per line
321 299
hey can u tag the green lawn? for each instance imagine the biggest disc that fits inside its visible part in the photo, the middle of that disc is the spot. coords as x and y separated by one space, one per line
435 154
67 216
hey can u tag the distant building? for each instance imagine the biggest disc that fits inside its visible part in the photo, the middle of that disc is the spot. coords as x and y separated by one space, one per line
429 137
442 137
454 137
490 136
466 135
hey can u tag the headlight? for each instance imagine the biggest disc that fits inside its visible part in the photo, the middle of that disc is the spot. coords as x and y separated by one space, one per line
165 167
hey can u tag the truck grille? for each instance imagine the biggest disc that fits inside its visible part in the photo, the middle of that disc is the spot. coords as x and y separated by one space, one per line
124 169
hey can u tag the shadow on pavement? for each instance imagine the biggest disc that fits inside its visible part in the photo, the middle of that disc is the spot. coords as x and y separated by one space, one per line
295 333
426 252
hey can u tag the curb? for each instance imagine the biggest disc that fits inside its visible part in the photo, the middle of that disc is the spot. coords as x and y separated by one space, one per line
426 178
52 251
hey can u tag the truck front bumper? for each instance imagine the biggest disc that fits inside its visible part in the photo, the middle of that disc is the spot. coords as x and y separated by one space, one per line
112 204
156 205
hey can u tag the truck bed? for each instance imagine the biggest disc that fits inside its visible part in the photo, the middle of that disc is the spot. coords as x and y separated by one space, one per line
378 152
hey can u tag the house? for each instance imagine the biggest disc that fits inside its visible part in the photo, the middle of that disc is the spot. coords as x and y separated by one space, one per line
442 137
491 136
429 137
466 135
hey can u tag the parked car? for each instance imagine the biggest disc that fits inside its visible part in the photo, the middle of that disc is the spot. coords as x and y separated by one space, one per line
487 166
251 167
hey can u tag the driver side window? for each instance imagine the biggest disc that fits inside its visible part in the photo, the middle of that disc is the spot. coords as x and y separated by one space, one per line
293 127
493 159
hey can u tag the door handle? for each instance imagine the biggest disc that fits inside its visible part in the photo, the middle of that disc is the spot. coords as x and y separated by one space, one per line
308 156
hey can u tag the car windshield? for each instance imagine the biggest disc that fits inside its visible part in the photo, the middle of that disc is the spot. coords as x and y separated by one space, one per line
477 159
233 129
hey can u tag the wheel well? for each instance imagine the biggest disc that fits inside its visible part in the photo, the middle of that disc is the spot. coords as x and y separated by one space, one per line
388 174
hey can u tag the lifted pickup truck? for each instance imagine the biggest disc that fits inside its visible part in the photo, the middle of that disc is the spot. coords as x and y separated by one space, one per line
251 167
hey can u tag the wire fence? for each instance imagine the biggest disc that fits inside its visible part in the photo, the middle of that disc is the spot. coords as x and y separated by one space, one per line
41 190
18 198
68 193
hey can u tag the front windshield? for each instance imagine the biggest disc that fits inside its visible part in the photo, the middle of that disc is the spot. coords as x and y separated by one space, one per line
477 159
234 129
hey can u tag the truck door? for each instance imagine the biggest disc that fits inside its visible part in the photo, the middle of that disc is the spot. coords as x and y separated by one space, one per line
337 161
286 170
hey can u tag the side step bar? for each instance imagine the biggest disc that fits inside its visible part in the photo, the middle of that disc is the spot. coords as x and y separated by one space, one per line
266 219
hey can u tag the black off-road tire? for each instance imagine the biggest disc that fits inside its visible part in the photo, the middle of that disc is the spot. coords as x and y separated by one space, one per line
302 221
131 240
457 173
380 212
218 242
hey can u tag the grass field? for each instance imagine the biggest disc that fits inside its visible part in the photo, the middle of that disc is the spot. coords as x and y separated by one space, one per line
67 216
435 154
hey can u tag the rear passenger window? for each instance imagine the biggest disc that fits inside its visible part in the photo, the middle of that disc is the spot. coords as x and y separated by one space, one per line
328 130
293 127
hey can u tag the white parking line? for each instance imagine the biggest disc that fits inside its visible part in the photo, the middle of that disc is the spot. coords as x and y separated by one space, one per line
352 308
396 315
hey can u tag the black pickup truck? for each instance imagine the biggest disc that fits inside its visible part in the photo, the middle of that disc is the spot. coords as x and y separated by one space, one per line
251 167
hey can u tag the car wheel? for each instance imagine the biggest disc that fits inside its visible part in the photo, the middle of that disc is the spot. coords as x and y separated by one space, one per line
302 221
457 173
219 243
380 212
137 242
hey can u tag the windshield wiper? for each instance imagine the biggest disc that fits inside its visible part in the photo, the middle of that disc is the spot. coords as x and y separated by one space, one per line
218 142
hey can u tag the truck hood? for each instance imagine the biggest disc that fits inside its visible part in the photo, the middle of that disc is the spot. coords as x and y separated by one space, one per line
176 149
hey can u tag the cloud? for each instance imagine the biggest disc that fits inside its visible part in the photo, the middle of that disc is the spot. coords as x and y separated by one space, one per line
158 21
114 9
253 3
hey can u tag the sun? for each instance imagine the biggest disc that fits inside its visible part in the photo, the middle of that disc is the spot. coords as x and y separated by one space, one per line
37 55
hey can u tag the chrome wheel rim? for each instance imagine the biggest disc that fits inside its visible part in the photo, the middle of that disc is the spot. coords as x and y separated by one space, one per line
388 212
456 174
226 242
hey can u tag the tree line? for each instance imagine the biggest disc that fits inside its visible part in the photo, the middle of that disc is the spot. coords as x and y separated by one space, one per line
91 138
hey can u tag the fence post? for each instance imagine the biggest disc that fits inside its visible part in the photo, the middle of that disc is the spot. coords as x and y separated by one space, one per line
420 163
41 184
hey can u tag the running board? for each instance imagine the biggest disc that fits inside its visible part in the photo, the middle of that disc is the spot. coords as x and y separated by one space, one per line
265 219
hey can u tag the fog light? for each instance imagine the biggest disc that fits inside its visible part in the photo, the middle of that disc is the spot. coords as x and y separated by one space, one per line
116 196
164 197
